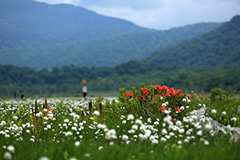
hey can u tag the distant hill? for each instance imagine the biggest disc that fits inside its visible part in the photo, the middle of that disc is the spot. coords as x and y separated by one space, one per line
218 47
39 35
36 21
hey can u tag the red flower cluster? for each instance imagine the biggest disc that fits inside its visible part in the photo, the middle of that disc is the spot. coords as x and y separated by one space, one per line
143 98
129 94
158 99
160 90
162 109
144 91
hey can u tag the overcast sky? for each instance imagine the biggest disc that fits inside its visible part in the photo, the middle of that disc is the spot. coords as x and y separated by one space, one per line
161 14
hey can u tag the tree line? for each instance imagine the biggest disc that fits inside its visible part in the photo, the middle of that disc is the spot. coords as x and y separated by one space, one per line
66 80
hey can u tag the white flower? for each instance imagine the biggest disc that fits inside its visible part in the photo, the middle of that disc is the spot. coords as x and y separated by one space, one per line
224 113
138 121
199 133
182 107
206 142
178 123
66 120
130 117
167 118
184 100
111 143
38 115
7 155
164 131
15 117
179 142
134 127
234 119
156 123
147 132
32 139
96 113
11 148
149 120
124 137
163 139
3 123
44 158
111 134
181 130
101 126
69 133
214 111
166 111
100 148
185 119
154 141
208 127
124 122
50 115
87 155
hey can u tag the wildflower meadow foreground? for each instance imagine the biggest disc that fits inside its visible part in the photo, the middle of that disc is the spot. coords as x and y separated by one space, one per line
153 122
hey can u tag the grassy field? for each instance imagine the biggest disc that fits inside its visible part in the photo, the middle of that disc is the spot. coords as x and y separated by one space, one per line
66 134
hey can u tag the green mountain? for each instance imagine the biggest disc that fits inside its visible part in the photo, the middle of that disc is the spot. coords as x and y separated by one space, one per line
220 46
39 35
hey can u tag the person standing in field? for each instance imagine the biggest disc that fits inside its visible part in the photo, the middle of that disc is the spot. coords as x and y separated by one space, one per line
22 94
84 88
15 94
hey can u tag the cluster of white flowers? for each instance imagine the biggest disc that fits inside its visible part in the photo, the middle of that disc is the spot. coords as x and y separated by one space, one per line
130 128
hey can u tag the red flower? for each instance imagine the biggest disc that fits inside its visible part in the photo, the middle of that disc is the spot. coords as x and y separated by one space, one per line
158 87
179 110
129 94
171 91
178 93
189 96
162 109
49 112
145 91
143 98
164 88
159 93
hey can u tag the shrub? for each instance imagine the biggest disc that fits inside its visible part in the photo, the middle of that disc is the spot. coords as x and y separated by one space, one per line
153 101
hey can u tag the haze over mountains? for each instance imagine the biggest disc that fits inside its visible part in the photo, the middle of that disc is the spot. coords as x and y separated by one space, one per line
220 46
38 35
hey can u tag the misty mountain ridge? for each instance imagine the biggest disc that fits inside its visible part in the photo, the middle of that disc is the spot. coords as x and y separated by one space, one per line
39 35
220 46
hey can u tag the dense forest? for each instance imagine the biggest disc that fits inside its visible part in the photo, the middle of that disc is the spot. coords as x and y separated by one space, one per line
67 80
